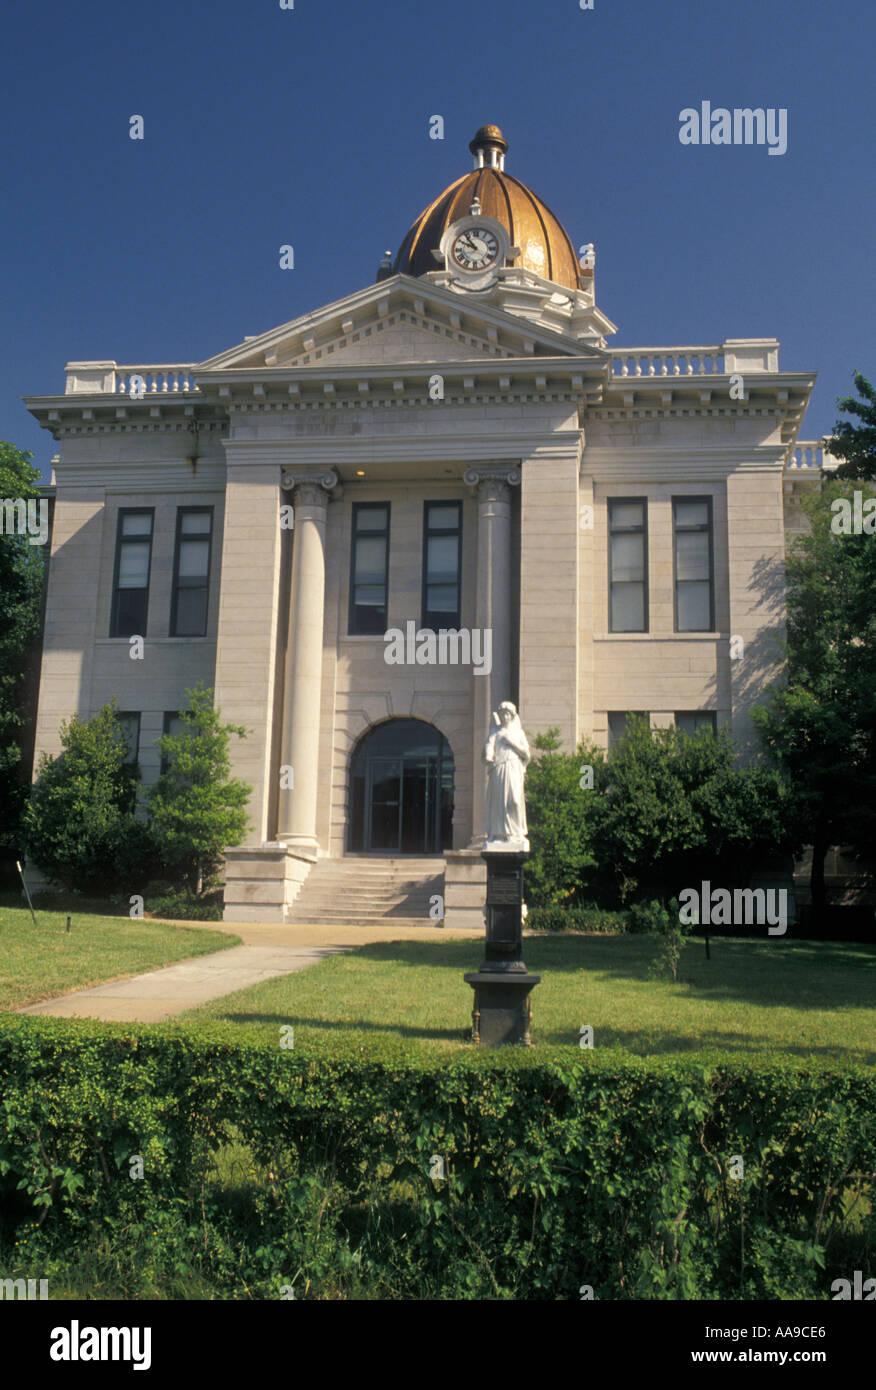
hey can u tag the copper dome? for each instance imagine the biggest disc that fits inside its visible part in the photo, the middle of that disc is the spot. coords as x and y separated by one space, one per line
545 247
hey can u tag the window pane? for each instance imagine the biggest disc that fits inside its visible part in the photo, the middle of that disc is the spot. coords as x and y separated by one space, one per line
442 598
691 555
693 608
627 558
368 621
691 721
627 608
129 727
131 615
371 519
439 517
195 523
691 513
443 556
134 565
136 525
369 595
193 558
191 612
370 560
626 514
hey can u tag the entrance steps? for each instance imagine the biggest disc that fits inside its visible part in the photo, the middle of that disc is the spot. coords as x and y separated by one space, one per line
367 890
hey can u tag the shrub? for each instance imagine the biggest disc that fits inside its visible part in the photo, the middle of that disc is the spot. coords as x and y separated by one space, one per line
184 906
598 1169
80 823
195 808
583 919
665 810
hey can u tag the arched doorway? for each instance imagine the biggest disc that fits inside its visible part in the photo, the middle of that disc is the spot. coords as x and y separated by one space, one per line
401 790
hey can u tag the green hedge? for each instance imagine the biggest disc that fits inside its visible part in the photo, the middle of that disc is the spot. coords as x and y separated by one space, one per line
597 1170
587 919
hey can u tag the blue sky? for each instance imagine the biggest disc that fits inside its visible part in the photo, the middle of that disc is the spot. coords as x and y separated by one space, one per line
310 126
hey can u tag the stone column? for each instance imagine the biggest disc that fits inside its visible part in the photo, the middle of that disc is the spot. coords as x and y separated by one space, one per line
309 493
493 611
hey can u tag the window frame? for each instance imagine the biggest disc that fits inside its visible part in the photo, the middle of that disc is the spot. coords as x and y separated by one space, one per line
353 629
691 530
120 541
188 510
646 615
456 531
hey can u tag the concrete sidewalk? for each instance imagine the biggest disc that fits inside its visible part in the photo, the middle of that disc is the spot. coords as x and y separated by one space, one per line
267 952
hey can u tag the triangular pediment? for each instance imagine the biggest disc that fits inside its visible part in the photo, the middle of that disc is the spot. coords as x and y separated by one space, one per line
399 320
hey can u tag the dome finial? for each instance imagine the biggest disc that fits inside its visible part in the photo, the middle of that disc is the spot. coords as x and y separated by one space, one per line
489 148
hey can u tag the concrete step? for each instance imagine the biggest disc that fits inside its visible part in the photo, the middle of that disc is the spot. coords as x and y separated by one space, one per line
365 890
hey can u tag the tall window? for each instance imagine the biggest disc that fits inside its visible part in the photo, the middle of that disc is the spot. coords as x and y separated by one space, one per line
129 727
628 564
369 568
691 721
191 572
694 594
442 562
133 562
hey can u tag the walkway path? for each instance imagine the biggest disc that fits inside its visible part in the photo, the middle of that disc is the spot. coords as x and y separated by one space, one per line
267 951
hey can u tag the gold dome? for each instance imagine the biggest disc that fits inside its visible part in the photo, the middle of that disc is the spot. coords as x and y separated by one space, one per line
545 247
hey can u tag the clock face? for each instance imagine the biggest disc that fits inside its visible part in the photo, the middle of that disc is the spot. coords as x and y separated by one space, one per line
475 248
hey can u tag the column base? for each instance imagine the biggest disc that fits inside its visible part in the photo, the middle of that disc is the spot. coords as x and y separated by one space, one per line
502 1012
305 845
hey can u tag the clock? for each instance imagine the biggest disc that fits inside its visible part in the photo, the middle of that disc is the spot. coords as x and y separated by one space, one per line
475 248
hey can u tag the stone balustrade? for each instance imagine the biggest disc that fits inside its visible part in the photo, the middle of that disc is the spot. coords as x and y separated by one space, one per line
158 378
680 361
811 453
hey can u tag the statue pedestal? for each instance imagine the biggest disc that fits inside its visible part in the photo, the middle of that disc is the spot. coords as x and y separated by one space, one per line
502 1010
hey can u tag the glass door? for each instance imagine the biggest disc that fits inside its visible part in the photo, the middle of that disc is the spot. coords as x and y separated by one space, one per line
384 804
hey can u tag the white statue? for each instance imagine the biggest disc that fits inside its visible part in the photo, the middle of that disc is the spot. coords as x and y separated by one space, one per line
506 754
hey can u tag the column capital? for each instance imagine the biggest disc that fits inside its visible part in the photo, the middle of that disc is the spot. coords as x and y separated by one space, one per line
491 483
311 489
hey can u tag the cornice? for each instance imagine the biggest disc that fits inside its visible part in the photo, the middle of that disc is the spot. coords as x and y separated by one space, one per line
673 463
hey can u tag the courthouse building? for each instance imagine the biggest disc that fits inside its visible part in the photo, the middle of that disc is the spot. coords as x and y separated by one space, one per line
300 521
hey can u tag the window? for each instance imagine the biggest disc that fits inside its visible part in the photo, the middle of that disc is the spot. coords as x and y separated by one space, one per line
627 564
618 724
694 598
369 568
129 726
172 725
691 721
191 572
131 583
442 555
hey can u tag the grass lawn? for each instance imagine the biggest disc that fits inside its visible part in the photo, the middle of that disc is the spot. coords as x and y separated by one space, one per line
39 961
810 999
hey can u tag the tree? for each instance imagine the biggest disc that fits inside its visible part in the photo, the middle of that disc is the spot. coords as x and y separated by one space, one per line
80 824
662 811
856 443
558 812
195 809
820 726
21 581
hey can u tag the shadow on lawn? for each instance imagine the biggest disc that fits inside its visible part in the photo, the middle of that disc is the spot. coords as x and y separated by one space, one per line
639 1042
457 1035
811 975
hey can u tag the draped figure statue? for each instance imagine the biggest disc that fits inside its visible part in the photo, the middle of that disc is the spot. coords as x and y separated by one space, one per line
506 754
